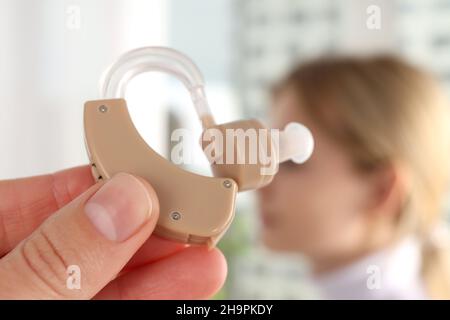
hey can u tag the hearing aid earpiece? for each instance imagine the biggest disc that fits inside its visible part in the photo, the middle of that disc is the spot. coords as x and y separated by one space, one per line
296 143
194 209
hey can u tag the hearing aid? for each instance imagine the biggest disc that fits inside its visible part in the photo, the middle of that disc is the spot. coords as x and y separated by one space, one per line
194 209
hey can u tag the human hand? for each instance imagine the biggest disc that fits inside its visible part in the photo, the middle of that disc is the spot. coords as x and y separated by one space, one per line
51 222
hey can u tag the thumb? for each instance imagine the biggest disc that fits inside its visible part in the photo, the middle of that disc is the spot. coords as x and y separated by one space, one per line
83 246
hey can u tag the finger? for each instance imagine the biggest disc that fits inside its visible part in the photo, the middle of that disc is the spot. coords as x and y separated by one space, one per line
26 203
193 273
154 249
98 233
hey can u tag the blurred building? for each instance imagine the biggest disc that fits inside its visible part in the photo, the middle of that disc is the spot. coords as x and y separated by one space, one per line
271 36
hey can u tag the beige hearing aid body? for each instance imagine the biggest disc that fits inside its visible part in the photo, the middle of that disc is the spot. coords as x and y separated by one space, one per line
194 209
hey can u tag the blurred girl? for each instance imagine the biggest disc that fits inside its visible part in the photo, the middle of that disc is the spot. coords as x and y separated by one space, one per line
367 208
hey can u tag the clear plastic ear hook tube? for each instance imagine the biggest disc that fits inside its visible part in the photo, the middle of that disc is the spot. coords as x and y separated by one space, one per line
162 59
296 141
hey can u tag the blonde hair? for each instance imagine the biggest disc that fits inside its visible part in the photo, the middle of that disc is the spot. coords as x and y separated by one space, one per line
385 111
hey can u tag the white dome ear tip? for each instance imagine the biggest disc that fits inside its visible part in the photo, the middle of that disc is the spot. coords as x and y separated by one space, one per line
296 127
297 133
306 154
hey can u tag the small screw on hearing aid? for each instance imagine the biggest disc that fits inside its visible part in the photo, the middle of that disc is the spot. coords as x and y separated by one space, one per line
227 184
176 215
103 108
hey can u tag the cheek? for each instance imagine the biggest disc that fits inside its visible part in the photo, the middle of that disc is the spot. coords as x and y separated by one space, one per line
296 212
314 211
310 201
329 200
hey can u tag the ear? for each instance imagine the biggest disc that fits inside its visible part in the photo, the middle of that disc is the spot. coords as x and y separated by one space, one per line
389 189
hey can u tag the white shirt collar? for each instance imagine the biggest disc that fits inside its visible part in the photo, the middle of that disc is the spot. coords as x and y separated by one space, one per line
394 273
